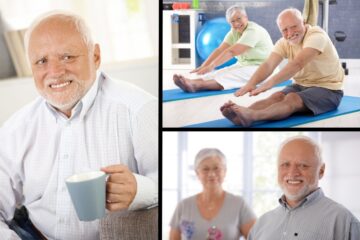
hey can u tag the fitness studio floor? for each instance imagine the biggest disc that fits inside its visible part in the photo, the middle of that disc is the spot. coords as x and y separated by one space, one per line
198 110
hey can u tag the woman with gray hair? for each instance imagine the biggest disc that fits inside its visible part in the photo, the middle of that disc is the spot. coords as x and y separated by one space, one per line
247 41
212 213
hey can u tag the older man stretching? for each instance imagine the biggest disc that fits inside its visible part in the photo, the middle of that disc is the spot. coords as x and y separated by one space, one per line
313 64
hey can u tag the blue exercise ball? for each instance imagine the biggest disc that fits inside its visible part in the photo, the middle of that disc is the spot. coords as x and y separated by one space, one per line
210 36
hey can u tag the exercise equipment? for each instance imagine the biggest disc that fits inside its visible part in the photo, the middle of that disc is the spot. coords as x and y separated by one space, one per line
195 4
210 36
340 36
178 94
348 105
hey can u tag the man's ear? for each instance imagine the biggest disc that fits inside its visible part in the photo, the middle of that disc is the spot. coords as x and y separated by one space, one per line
321 170
97 56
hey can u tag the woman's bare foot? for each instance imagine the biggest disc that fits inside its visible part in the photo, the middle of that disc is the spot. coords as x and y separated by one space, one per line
184 83
237 114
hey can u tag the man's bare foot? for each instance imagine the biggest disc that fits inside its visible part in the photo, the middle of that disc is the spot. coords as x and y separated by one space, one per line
237 114
226 105
183 83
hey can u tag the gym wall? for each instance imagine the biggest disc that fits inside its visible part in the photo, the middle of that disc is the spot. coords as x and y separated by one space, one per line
343 16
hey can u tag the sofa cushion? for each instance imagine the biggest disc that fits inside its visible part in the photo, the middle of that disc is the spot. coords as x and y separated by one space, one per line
130 225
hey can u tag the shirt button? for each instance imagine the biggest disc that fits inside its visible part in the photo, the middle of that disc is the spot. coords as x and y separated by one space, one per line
284 233
66 156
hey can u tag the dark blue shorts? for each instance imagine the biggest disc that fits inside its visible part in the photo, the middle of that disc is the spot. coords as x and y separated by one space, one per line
317 99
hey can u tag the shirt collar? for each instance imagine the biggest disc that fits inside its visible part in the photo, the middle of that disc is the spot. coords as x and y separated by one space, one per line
85 103
315 195
90 96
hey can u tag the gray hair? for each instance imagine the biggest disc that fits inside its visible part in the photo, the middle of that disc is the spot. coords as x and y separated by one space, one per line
235 8
209 152
78 22
291 10
306 139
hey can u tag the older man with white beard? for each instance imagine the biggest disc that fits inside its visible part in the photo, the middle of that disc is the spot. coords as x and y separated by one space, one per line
312 62
82 120
304 212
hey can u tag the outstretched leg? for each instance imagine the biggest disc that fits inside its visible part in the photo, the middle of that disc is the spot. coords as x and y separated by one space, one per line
239 115
195 85
262 104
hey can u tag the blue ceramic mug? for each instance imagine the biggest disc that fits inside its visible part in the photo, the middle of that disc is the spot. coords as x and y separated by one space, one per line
88 192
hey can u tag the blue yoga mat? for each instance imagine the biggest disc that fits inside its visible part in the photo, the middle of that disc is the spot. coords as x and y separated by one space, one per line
348 105
178 94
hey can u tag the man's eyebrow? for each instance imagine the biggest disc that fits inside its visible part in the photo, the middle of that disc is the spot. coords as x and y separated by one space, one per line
38 57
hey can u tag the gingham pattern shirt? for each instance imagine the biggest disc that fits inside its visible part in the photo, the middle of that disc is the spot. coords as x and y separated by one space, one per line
315 218
39 148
